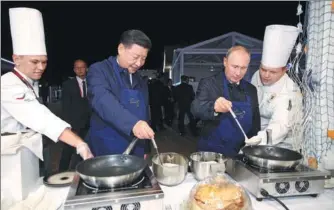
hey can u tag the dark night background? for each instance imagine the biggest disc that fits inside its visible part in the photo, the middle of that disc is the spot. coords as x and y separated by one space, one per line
91 30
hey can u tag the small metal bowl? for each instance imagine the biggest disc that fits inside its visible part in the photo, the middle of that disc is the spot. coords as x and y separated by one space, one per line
205 164
173 169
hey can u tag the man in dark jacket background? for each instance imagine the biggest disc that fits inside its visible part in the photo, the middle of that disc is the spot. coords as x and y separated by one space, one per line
184 95
76 110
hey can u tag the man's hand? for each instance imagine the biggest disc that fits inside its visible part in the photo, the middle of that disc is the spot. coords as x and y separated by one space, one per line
222 105
142 130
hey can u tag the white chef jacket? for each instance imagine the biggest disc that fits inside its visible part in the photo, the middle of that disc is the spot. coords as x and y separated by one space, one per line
280 107
21 110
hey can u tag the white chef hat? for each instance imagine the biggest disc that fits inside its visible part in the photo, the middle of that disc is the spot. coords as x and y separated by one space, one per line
27 30
278 44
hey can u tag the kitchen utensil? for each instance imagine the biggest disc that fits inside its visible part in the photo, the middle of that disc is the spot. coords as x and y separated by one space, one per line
173 169
237 121
112 170
156 149
272 157
205 164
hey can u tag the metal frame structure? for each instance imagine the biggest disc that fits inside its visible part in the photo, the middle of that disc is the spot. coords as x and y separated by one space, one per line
210 54
6 66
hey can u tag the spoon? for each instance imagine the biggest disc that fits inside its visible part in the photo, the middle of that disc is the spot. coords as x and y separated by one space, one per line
237 121
156 149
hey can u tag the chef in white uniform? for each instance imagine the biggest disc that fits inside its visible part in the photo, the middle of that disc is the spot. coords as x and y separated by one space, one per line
280 99
23 117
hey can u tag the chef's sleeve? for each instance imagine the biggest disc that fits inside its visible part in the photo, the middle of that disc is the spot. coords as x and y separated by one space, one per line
279 122
105 103
202 106
22 104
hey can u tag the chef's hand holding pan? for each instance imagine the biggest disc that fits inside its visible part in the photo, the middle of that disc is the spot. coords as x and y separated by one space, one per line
84 151
222 105
255 140
142 130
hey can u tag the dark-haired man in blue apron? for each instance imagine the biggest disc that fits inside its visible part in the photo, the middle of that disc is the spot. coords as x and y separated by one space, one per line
220 93
119 98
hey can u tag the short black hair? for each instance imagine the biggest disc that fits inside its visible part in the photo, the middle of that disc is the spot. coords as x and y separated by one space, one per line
130 37
184 78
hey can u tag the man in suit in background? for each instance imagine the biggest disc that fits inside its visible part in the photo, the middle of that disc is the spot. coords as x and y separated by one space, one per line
76 110
184 95
168 102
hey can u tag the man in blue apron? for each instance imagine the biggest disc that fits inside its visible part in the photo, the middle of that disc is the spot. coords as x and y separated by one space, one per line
119 98
219 93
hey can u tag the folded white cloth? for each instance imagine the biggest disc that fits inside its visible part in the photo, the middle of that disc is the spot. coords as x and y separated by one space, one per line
31 201
41 199
12 143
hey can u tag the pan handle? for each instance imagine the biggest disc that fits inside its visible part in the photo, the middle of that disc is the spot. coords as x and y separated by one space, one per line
130 147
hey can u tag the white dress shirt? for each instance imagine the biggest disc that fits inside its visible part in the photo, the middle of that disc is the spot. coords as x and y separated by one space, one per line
80 85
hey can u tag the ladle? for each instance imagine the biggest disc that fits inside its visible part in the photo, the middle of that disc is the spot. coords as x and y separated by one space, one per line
237 121
156 149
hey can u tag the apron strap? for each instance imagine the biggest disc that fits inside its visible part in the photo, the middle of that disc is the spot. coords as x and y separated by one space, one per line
117 72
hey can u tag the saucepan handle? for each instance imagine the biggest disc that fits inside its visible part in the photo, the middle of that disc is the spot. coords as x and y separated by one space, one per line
131 146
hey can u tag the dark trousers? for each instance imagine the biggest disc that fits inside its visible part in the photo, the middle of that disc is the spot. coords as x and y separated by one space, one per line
156 116
169 113
186 111
69 158
46 165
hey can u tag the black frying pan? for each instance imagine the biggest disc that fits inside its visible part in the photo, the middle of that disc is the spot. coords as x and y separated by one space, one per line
272 157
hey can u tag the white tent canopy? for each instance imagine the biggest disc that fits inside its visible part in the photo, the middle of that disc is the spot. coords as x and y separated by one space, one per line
206 58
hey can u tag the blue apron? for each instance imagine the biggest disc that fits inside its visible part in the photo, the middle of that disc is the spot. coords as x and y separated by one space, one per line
227 138
108 140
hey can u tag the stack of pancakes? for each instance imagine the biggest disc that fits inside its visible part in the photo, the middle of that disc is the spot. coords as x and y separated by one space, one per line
218 197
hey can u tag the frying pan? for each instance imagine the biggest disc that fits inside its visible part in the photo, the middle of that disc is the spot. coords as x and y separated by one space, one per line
272 157
111 171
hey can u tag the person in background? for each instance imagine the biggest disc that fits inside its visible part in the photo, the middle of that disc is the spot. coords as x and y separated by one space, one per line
119 98
279 97
168 102
156 98
75 110
184 95
217 95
